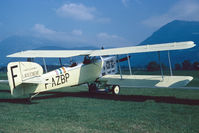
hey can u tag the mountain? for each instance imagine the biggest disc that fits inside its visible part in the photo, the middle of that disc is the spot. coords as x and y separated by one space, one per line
15 44
19 43
174 31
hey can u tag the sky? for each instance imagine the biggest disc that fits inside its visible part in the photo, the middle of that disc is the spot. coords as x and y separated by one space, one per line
108 23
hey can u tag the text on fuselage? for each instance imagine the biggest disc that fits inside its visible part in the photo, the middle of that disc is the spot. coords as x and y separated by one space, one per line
57 80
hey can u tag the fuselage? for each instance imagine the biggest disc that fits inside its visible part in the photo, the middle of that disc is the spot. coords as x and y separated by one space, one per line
70 76
27 77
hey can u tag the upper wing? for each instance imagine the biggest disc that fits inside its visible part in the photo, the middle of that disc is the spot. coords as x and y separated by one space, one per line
113 51
50 53
144 48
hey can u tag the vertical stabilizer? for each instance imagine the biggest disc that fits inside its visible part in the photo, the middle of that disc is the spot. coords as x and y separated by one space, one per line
19 72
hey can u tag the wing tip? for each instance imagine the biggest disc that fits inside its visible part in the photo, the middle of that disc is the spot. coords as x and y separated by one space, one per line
15 54
191 43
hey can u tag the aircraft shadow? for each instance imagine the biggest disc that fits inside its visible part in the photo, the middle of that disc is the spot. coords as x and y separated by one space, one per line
133 98
14 100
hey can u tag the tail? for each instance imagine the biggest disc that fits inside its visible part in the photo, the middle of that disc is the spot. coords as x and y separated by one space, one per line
18 73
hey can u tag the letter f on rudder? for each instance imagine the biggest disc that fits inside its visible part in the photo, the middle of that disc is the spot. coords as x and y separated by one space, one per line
14 75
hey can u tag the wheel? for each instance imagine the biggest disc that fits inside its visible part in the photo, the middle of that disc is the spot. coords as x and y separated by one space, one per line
92 88
116 89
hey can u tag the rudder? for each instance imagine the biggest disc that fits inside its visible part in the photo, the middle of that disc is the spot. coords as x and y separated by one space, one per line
18 72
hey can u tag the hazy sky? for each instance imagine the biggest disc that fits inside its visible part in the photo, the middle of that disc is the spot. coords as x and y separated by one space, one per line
93 22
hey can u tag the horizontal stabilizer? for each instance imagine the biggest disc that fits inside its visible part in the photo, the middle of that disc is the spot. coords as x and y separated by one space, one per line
4 81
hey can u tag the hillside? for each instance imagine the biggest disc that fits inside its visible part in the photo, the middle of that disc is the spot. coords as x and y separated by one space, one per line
174 31
15 44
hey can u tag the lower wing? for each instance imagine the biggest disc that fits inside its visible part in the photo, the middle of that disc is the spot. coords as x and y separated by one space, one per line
149 81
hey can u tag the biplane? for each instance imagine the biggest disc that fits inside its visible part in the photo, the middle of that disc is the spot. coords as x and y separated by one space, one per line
100 70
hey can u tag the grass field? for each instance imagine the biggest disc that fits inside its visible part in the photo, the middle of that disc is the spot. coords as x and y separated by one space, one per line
75 110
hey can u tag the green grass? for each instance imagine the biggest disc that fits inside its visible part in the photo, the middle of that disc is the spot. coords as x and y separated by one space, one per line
3 76
74 110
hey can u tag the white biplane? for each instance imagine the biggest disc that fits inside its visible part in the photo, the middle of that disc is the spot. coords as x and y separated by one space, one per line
98 70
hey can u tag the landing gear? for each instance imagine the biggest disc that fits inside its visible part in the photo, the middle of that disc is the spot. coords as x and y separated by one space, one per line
92 88
29 100
98 87
115 89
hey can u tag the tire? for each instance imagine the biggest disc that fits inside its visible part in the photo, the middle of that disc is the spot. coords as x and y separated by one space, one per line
116 89
92 88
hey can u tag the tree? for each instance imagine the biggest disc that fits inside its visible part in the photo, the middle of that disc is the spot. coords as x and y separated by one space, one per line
152 66
178 67
196 65
186 65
